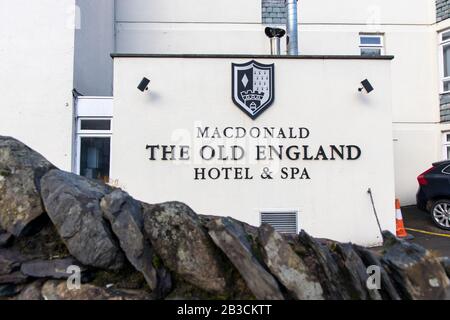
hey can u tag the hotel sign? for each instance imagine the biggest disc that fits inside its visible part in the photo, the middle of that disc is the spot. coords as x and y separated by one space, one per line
233 153
240 153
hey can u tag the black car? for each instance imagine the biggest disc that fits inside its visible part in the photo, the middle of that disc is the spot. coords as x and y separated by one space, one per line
434 193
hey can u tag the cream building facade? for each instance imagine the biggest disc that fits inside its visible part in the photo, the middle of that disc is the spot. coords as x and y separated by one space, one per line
51 47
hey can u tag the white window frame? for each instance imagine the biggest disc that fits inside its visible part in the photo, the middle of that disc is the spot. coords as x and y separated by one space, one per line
442 44
92 134
91 108
445 144
80 119
372 46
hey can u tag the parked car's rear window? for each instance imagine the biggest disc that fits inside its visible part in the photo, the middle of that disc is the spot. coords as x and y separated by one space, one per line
446 170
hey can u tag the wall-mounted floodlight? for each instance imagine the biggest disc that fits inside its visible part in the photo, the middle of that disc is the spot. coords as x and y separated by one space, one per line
143 86
366 86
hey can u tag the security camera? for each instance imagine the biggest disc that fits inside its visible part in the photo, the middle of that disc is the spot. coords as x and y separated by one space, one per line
143 86
366 86
274 32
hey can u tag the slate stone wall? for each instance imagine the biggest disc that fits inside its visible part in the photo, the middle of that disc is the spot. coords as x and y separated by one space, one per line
273 12
442 10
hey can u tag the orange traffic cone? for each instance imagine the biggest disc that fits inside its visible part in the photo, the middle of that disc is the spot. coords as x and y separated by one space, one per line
401 231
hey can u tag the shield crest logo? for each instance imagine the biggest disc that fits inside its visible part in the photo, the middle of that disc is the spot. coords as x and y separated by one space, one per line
253 87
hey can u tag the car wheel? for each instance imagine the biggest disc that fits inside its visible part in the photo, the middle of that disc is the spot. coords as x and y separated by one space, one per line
440 214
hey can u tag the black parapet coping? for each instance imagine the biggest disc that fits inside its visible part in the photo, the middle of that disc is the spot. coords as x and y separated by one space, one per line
250 56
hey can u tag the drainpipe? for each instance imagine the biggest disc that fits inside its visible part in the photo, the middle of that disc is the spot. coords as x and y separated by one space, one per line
292 27
275 46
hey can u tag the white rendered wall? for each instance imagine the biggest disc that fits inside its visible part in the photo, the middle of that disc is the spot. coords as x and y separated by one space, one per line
408 12
234 26
36 75
189 26
189 92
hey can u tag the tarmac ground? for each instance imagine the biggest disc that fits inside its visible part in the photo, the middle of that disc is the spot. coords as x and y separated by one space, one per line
419 224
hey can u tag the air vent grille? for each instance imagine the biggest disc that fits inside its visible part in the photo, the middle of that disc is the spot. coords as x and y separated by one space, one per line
282 222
